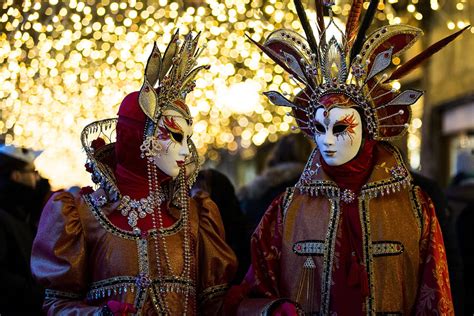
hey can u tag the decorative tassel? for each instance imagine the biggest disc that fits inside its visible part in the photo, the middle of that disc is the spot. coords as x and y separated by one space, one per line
421 57
306 287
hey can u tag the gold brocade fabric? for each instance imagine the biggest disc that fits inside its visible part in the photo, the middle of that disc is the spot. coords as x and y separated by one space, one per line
83 261
403 251
387 221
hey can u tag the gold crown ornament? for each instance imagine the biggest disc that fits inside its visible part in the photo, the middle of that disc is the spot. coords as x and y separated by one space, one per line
168 78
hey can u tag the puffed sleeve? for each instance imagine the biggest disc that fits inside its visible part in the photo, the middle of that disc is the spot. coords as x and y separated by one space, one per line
58 260
434 291
217 262
259 292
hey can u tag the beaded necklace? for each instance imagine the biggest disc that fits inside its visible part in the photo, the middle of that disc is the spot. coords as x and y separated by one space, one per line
159 238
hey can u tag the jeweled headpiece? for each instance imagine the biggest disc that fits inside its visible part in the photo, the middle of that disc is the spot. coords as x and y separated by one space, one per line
354 67
168 79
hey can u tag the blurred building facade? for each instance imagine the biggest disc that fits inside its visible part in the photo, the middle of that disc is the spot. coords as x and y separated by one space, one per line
448 115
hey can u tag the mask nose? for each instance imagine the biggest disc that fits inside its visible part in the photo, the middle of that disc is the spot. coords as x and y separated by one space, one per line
184 150
329 139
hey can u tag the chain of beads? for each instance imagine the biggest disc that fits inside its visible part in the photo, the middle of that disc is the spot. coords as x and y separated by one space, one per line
155 189
159 238
187 246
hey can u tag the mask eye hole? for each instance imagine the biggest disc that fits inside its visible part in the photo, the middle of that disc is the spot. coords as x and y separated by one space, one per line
177 137
339 128
319 127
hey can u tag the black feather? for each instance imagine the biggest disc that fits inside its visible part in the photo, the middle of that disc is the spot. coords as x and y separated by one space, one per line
306 26
368 17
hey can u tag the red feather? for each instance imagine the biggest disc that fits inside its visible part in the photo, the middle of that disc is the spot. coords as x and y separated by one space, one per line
424 55
353 22
320 20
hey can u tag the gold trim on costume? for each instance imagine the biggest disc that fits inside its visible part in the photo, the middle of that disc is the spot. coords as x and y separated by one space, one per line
54 294
212 292
329 255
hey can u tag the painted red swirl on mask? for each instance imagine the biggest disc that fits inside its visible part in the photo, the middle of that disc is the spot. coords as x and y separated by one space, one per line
350 121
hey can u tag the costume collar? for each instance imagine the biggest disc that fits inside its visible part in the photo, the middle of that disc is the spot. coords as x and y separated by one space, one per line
134 185
388 175
353 174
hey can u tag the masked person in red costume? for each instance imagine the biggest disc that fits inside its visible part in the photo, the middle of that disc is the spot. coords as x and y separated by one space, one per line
354 236
138 244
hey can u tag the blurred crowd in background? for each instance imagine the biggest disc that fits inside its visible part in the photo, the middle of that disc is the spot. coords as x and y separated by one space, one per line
23 193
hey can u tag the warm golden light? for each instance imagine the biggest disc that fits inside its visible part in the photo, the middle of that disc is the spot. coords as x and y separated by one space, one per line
64 64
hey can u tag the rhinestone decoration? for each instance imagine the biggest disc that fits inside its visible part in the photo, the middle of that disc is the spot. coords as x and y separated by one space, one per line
358 70
348 196
398 172
135 209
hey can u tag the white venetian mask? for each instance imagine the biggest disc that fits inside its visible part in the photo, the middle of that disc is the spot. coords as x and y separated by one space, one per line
338 134
173 134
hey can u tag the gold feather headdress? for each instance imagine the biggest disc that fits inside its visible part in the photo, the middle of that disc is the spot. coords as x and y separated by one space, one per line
356 67
168 79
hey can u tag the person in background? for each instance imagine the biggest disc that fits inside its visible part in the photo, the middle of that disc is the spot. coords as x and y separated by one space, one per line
222 192
460 194
447 222
284 166
20 295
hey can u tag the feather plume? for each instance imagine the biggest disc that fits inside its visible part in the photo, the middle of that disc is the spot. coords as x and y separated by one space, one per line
353 22
421 57
306 26
368 17
320 20
276 58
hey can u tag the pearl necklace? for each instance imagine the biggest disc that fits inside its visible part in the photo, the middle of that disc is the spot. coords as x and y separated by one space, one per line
159 239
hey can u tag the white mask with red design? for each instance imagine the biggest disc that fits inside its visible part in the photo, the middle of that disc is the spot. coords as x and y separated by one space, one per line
173 135
338 134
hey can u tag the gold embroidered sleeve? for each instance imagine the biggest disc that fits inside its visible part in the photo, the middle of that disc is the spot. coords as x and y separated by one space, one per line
58 259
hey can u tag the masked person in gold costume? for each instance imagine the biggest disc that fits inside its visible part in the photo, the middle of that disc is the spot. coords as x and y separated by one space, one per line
138 243
354 236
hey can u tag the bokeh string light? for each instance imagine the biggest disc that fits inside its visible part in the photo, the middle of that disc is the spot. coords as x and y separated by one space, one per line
67 63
